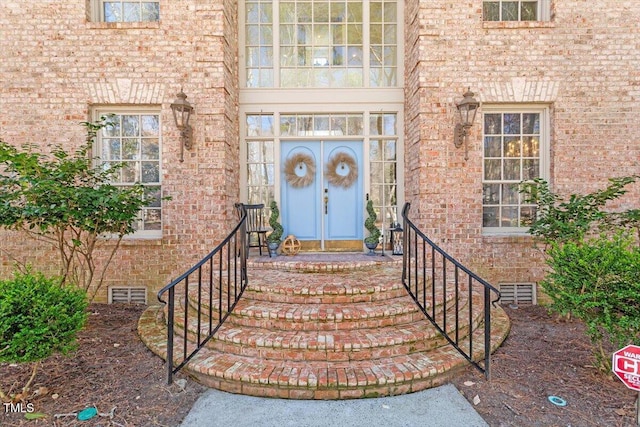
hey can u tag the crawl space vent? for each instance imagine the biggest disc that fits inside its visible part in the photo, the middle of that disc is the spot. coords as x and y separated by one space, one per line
127 295
518 293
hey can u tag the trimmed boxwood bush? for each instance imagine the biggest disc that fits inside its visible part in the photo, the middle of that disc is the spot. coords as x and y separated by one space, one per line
276 234
370 225
38 317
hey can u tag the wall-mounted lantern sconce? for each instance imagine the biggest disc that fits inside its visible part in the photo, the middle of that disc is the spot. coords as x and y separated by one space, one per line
181 114
467 109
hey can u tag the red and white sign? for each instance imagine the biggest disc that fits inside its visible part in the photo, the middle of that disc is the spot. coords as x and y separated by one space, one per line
626 366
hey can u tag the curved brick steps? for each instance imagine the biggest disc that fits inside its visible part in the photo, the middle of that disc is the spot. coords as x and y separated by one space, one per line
351 332
306 313
324 317
346 344
316 342
319 379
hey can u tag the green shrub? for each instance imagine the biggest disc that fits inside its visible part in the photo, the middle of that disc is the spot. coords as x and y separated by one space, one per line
38 317
598 281
573 219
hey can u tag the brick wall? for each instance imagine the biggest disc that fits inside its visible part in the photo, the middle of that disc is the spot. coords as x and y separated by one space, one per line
57 65
583 64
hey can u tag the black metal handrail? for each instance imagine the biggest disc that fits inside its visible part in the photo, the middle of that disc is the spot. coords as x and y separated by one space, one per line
426 278
226 267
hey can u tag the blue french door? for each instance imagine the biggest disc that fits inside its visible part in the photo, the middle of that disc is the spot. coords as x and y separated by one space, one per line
322 190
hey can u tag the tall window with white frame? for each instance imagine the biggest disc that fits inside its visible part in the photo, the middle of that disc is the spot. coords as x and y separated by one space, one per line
383 167
132 140
260 158
516 10
515 150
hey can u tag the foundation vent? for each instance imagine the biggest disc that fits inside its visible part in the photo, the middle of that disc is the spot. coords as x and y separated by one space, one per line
127 295
518 293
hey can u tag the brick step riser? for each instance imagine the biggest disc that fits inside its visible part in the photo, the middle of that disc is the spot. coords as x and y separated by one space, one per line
322 325
288 265
304 316
290 320
308 311
306 295
286 298
325 393
341 354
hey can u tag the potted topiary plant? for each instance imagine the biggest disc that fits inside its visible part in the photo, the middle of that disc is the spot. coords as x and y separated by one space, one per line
275 237
371 241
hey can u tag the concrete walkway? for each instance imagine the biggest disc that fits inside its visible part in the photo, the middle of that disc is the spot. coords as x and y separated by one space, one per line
442 406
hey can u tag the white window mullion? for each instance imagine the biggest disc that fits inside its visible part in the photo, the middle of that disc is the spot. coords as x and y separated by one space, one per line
275 29
366 43
276 156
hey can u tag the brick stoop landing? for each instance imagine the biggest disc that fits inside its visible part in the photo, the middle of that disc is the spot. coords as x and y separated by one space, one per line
323 326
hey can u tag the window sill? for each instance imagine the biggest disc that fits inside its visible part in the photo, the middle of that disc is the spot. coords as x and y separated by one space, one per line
517 25
509 238
137 239
123 25
133 239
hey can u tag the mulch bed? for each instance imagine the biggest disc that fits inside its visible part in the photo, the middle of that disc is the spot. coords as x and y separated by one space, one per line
113 369
545 356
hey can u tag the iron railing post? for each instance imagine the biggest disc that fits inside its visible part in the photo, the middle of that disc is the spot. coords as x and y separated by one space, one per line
170 321
487 333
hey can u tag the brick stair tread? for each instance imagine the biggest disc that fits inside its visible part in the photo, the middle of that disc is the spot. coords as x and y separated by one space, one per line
309 312
310 309
331 263
397 369
328 312
311 317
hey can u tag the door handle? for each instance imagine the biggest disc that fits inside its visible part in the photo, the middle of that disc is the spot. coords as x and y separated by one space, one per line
326 201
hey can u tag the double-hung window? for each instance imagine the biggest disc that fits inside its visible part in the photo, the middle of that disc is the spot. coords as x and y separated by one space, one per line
132 140
516 149
516 10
